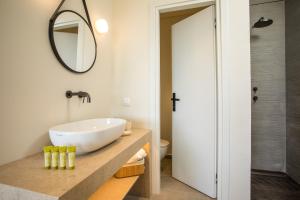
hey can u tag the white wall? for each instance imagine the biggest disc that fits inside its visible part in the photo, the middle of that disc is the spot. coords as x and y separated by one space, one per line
33 83
236 86
131 59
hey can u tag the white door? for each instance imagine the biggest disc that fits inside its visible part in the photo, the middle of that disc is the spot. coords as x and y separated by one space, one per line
194 82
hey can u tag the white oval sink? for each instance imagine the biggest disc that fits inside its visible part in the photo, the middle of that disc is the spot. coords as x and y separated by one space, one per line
87 135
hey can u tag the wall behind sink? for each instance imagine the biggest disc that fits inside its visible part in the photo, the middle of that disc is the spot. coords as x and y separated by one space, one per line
33 83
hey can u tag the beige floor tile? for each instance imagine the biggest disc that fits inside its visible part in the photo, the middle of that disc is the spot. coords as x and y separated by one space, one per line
171 189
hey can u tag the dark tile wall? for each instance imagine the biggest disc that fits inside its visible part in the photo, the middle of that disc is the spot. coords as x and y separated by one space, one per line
292 10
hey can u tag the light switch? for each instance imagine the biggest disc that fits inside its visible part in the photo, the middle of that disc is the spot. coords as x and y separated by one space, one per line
126 101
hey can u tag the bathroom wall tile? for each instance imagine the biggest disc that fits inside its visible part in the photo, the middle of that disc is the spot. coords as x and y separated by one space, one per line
268 74
293 88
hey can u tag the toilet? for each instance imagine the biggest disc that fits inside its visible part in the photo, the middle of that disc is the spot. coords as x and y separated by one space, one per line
164 144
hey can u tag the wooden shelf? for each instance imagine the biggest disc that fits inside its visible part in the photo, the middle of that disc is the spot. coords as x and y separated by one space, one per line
118 188
114 188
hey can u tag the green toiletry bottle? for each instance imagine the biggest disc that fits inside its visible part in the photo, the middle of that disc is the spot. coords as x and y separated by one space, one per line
71 156
54 157
47 157
62 157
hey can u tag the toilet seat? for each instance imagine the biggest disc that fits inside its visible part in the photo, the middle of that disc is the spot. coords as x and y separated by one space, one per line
163 148
164 143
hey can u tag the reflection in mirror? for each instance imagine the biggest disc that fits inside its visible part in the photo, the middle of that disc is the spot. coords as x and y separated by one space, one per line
73 41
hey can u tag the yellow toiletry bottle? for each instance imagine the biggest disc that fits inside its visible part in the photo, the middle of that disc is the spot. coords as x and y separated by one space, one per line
54 157
62 157
47 157
71 156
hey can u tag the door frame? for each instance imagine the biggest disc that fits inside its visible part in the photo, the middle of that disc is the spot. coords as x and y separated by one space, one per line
229 186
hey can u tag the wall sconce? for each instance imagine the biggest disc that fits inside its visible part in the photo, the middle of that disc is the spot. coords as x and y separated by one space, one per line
101 26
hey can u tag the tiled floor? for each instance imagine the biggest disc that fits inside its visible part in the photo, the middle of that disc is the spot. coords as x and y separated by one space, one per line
171 189
274 188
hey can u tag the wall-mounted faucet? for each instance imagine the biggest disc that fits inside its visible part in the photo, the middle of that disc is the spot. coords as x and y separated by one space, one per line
80 94
255 97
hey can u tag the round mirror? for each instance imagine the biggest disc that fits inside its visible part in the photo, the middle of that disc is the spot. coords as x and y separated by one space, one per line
73 41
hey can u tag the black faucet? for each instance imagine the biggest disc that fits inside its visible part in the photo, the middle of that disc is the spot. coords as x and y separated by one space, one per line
80 94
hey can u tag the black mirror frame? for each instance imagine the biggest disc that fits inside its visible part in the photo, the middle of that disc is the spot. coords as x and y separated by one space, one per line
51 36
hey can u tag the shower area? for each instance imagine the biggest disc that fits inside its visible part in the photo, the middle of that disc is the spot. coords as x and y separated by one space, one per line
275 72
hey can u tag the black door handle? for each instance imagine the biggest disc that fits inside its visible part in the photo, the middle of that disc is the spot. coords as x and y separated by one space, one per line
174 99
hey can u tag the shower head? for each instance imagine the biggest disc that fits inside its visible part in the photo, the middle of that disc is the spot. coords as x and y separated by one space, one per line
263 22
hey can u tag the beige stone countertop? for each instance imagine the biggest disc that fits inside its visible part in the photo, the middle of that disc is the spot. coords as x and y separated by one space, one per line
27 179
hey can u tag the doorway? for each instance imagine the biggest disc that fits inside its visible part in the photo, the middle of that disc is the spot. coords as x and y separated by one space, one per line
188 89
